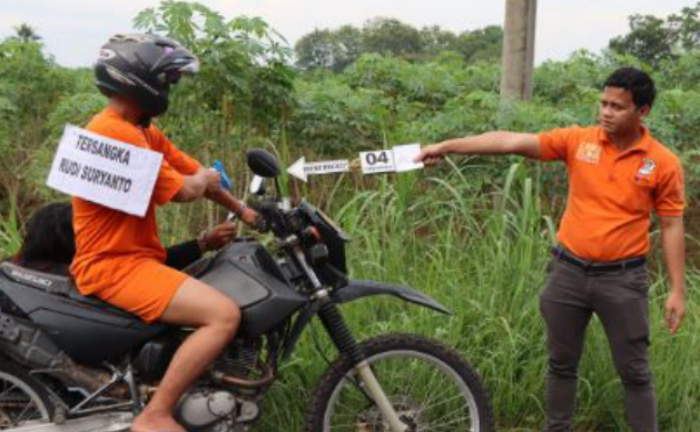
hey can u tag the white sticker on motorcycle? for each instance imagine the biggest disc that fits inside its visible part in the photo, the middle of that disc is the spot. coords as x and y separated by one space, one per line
105 171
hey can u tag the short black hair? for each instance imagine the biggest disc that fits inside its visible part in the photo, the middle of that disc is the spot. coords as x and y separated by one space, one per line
49 238
635 81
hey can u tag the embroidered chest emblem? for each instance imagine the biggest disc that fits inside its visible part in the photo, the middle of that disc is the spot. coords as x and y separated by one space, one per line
646 169
589 152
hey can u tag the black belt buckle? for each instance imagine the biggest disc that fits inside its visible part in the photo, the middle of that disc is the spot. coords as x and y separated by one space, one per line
604 268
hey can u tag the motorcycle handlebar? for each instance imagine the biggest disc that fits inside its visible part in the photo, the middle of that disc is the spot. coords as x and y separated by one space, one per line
269 215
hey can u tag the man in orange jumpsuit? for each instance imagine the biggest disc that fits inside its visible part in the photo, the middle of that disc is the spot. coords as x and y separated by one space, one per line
119 257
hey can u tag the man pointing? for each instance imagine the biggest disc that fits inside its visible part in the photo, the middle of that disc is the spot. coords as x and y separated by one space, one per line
618 174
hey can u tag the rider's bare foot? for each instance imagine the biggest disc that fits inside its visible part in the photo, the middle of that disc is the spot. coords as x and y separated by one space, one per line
151 421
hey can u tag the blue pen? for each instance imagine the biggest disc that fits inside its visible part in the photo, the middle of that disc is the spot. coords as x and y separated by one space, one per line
225 183
225 180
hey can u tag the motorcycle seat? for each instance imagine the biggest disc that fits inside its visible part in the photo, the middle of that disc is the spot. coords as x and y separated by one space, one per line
55 284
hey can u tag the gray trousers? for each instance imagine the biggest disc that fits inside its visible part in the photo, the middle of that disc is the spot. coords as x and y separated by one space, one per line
620 299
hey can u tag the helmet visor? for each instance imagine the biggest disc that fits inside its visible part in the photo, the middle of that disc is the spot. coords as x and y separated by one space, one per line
173 76
190 68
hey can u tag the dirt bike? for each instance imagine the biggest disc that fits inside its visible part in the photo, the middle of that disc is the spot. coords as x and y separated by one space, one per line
74 363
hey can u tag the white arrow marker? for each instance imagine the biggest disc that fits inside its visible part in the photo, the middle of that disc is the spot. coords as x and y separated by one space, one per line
301 169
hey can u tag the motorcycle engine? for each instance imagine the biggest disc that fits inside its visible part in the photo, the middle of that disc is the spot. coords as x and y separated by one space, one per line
213 408
207 410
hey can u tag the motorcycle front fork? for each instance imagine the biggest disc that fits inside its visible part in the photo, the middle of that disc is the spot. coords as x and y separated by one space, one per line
345 343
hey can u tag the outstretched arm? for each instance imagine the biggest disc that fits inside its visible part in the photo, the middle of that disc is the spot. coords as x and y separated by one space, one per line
491 143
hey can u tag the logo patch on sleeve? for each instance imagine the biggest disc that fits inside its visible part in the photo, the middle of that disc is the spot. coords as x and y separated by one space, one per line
589 152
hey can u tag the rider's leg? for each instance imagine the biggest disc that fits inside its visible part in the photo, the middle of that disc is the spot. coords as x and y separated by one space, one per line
217 318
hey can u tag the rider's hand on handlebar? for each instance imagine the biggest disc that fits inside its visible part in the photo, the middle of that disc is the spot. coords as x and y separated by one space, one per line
249 217
218 237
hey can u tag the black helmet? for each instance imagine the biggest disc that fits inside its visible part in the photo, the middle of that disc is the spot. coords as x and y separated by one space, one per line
142 67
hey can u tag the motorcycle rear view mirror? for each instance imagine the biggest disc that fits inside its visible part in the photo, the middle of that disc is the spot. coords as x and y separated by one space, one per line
262 163
258 185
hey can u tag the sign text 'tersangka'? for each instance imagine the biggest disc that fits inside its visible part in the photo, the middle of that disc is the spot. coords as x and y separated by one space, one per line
105 171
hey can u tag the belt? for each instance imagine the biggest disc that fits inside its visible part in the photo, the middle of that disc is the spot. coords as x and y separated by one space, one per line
597 267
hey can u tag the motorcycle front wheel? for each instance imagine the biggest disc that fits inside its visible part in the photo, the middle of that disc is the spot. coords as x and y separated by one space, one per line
431 387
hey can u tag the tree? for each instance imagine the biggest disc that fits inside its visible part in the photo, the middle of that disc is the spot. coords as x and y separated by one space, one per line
316 50
30 87
329 49
349 45
25 33
337 49
686 27
651 39
391 36
244 63
435 40
654 40
481 44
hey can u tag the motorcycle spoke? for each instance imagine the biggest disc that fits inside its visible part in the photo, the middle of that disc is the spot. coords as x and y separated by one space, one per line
12 387
19 404
21 414
423 393
446 426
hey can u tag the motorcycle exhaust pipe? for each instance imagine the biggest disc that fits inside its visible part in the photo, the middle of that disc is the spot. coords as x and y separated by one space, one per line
245 383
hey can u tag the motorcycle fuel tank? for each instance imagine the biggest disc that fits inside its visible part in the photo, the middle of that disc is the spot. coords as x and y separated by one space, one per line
248 274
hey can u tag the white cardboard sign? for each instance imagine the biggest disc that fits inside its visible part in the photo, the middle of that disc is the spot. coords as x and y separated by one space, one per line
114 174
398 159
404 156
377 161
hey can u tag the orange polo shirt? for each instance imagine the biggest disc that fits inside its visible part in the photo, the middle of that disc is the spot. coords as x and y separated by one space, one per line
612 192
112 246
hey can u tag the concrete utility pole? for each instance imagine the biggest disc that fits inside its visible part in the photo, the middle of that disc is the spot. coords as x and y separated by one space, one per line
518 50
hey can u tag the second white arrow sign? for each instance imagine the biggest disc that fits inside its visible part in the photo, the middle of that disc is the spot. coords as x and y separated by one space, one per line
302 169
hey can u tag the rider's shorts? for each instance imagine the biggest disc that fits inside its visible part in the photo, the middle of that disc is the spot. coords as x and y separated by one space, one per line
146 291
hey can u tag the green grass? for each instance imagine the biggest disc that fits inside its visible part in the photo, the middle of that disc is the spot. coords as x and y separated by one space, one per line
481 251
483 255
10 236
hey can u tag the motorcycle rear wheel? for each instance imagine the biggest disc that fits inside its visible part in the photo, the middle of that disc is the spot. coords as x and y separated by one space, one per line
24 401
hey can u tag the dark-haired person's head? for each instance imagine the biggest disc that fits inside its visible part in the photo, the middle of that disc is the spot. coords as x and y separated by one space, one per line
138 70
628 95
49 242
